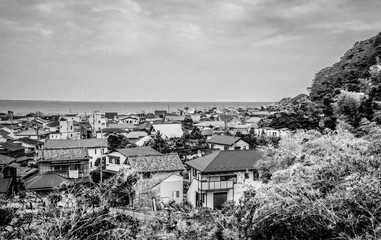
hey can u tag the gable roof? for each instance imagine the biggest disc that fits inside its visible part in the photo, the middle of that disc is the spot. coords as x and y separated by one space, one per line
226 161
12 146
157 163
5 160
224 140
78 143
32 132
28 141
64 154
136 134
138 151
45 182
169 130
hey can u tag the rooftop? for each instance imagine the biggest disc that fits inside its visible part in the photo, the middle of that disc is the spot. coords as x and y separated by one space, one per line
226 161
79 143
224 140
157 163
64 154
138 151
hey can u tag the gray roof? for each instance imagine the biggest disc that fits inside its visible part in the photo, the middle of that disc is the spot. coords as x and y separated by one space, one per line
224 140
64 154
80 143
138 151
226 161
157 163
4 160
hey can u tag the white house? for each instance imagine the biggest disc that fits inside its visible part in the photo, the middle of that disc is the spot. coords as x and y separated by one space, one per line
222 176
130 119
224 142
97 121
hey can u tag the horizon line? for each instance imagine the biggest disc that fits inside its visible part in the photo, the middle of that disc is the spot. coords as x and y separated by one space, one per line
148 101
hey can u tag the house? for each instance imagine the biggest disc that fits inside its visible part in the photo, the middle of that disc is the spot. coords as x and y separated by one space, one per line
8 175
12 149
271 132
210 124
167 130
72 117
30 145
131 119
94 147
119 156
141 141
224 142
160 174
35 134
222 176
160 113
161 179
67 130
57 166
111 116
108 131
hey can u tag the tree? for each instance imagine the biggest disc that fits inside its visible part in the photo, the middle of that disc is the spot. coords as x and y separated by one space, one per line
116 141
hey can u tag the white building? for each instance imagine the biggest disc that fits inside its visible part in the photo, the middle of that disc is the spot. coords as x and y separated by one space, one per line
97 121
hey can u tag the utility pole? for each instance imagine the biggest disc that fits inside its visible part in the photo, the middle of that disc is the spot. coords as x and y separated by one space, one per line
101 168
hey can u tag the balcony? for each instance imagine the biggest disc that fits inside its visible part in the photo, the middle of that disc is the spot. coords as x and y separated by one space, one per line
215 185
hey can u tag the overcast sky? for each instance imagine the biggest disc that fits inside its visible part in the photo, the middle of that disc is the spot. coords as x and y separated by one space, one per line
174 50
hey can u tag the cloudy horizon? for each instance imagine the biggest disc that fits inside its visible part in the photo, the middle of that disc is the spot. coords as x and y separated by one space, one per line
174 50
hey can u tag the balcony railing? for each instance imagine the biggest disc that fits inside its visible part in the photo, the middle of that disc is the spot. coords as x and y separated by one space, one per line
215 185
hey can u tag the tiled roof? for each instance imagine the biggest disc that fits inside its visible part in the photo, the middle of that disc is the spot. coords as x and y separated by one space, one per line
226 161
45 182
136 134
4 160
32 132
158 163
64 154
224 140
79 143
12 146
169 130
138 151
28 141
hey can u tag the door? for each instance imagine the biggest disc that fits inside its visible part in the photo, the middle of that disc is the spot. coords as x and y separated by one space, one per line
219 199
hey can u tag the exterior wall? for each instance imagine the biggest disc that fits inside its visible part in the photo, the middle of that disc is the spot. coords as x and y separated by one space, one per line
112 158
241 144
81 167
95 153
142 141
170 187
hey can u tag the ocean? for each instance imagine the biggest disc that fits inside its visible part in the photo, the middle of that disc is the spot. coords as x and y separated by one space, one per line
63 107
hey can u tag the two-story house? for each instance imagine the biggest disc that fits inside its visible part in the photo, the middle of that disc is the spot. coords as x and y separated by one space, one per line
95 147
222 176
224 142
56 166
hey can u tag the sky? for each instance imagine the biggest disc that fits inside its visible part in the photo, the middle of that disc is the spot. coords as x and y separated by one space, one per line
174 50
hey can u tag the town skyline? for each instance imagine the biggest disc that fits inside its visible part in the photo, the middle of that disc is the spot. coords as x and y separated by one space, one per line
178 51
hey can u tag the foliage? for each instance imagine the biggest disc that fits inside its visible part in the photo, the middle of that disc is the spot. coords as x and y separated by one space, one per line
116 141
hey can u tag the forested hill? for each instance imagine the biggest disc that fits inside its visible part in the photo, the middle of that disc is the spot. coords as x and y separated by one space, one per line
346 73
348 91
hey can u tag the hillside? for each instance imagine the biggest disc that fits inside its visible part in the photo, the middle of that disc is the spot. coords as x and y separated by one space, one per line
345 74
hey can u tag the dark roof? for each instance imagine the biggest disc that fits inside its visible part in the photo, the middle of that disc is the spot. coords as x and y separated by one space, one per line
53 124
4 184
138 151
12 146
113 130
224 140
4 160
28 141
5 134
64 154
157 163
226 161
45 182
79 143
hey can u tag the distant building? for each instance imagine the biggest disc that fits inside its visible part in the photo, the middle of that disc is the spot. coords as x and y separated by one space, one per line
167 130
224 142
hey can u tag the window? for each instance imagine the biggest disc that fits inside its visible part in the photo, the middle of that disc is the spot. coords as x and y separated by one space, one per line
117 161
247 175
110 160
226 148
176 194
147 175
244 147
71 127
255 175
95 151
194 172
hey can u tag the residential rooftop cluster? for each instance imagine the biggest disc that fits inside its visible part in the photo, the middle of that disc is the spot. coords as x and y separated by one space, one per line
192 155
